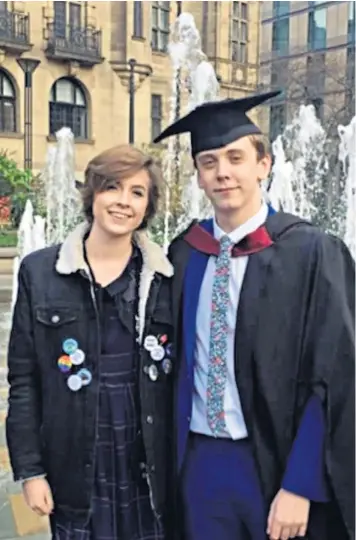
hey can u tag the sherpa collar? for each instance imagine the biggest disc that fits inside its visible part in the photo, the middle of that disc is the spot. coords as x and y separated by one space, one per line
71 256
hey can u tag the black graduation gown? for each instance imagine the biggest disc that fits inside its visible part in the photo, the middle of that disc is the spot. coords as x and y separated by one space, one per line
294 337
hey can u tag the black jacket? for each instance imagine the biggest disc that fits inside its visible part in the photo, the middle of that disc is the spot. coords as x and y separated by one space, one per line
51 430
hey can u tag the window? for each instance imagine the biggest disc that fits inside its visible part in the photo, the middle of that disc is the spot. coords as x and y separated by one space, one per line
137 23
277 120
243 14
75 15
160 26
7 104
280 37
239 32
317 29
68 108
239 10
60 19
156 115
280 8
351 29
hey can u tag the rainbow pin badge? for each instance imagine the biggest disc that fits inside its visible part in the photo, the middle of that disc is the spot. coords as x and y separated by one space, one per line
64 363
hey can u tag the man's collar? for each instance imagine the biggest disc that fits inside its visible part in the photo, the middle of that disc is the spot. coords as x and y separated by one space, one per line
246 228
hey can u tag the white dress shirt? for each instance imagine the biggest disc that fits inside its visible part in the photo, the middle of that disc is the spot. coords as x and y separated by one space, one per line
234 420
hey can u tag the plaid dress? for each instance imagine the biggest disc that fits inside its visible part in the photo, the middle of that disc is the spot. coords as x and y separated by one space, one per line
121 508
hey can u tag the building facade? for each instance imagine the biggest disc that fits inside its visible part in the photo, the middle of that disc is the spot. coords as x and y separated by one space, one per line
83 78
308 50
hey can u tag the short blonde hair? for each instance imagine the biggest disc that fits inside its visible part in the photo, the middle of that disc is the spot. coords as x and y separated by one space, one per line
119 163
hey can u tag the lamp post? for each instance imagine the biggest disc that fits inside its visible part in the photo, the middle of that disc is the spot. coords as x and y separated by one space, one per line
132 64
127 71
28 66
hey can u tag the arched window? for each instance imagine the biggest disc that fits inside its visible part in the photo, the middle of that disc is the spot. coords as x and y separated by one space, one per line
7 104
68 108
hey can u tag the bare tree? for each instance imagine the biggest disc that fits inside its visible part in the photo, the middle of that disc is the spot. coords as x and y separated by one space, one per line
326 80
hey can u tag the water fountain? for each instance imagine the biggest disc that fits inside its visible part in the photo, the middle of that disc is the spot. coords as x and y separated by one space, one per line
31 236
297 179
196 76
302 181
347 155
63 206
280 193
187 55
61 199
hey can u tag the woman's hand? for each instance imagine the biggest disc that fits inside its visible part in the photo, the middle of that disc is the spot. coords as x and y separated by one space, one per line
38 496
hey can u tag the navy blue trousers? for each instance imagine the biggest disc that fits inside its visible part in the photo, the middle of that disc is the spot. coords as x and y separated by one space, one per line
220 491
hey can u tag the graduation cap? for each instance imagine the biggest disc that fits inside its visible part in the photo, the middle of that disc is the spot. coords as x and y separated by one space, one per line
217 123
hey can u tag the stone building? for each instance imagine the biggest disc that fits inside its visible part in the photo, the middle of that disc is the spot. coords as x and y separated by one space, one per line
308 49
82 80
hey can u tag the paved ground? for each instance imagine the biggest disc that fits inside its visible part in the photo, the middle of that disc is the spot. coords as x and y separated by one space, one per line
16 520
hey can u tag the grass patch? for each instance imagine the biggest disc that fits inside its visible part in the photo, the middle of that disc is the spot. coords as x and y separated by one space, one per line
8 238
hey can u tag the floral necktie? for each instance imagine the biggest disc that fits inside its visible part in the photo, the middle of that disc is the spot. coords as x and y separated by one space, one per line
217 372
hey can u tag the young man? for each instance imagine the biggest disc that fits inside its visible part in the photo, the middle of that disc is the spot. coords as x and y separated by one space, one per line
263 304
90 363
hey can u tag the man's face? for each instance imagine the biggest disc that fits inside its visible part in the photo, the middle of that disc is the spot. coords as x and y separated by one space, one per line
121 208
231 176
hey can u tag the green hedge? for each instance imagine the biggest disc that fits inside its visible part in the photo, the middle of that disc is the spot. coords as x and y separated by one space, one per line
8 238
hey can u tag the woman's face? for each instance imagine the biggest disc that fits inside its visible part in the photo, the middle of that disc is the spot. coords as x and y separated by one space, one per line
121 208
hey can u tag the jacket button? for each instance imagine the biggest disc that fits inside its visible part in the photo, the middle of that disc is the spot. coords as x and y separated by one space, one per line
55 319
149 419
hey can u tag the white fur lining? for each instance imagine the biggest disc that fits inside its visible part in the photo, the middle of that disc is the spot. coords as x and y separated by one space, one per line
71 260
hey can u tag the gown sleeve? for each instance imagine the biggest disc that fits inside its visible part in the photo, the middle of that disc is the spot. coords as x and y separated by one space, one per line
305 473
328 369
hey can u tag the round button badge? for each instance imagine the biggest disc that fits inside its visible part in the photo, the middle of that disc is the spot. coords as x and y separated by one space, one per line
70 346
74 383
150 343
64 363
77 357
157 354
167 366
153 373
85 376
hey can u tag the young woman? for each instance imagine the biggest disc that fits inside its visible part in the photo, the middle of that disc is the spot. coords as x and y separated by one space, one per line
90 363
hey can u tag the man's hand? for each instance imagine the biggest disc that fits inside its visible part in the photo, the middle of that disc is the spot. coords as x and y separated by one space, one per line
288 516
38 496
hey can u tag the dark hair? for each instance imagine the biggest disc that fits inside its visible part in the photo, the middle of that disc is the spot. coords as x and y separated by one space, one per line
261 144
116 164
